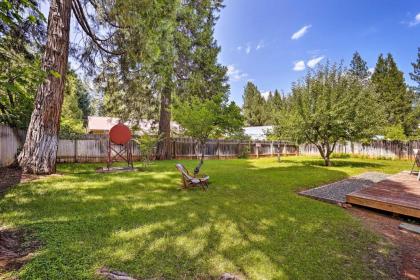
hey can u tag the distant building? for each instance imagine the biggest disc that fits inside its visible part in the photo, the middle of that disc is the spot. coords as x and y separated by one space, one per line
102 125
258 132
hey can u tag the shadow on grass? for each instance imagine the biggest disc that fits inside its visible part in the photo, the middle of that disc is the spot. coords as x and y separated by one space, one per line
250 222
336 163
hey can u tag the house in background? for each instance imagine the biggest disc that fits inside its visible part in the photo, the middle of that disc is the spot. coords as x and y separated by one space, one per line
102 125
258 132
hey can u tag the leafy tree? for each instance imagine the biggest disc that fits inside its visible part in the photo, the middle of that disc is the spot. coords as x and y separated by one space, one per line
255 108
395 133
207 118
394 94
72 111
19 78
358 67
329 106
21 34
147 143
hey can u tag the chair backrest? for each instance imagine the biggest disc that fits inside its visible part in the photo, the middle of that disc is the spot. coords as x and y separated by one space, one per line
418 159
183 171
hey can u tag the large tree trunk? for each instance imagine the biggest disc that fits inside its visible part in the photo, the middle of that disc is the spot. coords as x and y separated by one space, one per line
40 149
164 145
326 150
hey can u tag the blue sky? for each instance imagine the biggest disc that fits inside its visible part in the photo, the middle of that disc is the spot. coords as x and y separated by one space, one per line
257 44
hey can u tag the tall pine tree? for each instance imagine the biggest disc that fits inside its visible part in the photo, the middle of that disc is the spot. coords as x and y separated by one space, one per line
358 67
415 75
394 95
255 109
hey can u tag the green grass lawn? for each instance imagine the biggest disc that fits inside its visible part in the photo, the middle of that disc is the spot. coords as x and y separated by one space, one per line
251 222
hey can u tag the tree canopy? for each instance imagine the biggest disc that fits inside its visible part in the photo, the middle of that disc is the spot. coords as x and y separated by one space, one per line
394 95
329 106
358 67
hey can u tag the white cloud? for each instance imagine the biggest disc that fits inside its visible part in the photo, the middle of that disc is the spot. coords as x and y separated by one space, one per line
248 48
235 74
260 45
299 65
265 94
371 70
298 34
314 61
415 21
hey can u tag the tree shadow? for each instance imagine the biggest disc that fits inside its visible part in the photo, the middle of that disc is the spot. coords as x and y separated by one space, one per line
250 222
336 163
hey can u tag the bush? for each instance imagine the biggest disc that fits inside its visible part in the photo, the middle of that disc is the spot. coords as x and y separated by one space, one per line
244 153
148 143
71 128
340 155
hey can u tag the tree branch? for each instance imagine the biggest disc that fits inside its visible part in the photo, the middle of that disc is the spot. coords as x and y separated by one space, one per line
81 19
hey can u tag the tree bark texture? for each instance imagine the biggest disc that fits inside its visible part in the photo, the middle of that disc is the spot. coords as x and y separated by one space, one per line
39 152
164 145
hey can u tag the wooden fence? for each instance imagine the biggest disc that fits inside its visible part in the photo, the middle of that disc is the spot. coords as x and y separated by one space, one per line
93 148
9 144
376 149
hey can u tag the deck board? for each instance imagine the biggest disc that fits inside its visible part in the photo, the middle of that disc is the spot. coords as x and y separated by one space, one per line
399 194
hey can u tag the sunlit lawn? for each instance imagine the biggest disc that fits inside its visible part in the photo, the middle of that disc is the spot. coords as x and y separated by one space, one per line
251 222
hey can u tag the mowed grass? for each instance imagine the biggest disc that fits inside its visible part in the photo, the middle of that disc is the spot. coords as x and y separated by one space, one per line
251 222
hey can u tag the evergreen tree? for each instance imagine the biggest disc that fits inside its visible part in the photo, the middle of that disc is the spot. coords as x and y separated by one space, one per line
358 67
277 100
196 69
255 107
415 75
394 95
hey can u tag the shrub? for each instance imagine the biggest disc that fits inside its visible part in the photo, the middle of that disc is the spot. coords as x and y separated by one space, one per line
340 155
244 153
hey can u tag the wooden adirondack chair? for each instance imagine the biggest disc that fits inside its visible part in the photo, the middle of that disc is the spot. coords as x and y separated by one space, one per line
416 163
191 181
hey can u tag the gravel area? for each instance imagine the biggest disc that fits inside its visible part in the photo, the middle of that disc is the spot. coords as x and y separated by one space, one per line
337 191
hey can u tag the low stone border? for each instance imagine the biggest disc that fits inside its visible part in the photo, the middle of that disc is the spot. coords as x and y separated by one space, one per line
336 192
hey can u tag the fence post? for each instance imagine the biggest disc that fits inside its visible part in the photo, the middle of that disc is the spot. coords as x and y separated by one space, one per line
271 148
174 148
218 149
256 149
75 150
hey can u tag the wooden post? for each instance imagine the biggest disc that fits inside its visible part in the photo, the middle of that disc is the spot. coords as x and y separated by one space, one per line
271 148
256 148
75 150
218 149
174 148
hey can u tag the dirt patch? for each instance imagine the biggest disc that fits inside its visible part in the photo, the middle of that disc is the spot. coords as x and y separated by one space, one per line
11 176
16 248
404 262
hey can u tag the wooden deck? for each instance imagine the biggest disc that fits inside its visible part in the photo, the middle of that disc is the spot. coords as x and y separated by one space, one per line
399 194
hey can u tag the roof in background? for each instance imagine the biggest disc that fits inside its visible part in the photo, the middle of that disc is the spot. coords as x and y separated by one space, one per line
258 132
106 123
